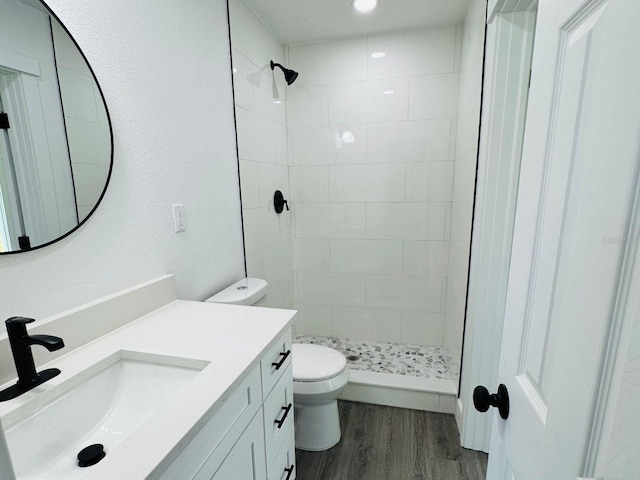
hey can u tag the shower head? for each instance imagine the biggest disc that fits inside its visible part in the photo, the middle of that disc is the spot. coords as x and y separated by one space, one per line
289 75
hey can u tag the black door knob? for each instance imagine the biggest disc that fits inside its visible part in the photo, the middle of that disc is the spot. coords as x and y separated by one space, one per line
482 400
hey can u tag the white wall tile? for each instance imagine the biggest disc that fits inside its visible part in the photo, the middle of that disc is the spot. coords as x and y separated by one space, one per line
309 184
377 257
288 296
362 102
406 221
430 182
249 184
80 104
277 262
330 62
452 334
286 232
426 258
274 297
328 145
100 107
242 88
367 183
417 294
464 180
415 141
311 255
282 154
255 265
84 139
307 106
249 36
313 320
272 178
419 52
265 98
331 289
366 324
89 182
330 220
434 96
264 136
468 115
245 131
261 229
461 218
422 328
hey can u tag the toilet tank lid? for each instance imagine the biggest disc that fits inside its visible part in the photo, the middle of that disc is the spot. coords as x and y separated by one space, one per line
312 363
246 291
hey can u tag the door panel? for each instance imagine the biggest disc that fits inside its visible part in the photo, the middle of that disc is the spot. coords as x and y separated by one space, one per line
576 196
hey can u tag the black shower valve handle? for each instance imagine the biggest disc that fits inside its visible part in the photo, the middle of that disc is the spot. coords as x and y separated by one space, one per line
279 202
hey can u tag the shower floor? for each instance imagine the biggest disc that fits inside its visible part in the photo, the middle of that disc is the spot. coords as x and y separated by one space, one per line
393 358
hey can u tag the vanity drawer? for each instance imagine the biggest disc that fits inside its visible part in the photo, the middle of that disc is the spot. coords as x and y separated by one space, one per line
275 362
278 415
215 440
284 465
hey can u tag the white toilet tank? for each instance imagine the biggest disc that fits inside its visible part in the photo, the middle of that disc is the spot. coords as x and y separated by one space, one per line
247 291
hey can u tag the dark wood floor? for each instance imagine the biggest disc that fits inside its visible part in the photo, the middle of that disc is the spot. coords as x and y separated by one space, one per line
387 443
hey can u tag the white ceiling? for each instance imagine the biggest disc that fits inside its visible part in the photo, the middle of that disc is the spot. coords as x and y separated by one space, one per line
299 21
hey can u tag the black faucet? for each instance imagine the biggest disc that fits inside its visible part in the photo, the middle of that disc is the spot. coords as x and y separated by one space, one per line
21 343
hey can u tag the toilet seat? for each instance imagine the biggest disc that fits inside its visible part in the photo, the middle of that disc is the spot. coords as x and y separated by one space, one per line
315 363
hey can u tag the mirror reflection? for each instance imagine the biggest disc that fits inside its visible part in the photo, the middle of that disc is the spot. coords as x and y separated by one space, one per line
55 136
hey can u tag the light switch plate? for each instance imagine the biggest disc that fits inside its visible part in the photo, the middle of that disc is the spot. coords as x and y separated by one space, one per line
178 218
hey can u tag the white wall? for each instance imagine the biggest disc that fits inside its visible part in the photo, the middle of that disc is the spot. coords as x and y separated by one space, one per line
262 146
165 70
465 173
372 181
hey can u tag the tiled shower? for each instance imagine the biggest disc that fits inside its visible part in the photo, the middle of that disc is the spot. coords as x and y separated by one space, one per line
374 146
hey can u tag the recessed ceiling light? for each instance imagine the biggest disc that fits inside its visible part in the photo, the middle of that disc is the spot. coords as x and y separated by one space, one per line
378 55
365 6
388 92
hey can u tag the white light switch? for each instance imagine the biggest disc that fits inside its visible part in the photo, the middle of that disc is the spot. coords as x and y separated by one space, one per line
178 218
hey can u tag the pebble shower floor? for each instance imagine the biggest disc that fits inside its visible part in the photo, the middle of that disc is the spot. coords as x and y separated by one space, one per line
383 357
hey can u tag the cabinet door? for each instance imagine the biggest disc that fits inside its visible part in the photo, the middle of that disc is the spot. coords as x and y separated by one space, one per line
246 460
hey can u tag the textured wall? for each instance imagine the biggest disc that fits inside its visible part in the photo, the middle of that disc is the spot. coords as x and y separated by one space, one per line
164 67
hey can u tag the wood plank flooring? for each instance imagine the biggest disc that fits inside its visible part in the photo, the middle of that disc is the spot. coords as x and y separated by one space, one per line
387 443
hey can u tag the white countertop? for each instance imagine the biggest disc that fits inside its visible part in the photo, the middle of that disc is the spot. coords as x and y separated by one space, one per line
231 338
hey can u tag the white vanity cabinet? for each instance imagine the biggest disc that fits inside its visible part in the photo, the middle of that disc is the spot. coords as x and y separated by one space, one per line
250 437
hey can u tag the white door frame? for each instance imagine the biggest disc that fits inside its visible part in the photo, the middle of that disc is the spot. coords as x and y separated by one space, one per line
508 53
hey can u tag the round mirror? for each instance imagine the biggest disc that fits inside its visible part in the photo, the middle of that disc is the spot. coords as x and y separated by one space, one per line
56 144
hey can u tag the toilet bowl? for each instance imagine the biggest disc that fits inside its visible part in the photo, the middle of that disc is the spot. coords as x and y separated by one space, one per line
319 376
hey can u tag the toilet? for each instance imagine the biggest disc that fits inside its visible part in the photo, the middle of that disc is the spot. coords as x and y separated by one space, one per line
319 376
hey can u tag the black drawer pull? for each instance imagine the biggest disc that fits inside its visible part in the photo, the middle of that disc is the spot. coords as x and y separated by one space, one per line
282 360
284 417
289 472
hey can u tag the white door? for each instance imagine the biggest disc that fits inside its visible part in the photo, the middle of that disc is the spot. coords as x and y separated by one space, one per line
571 281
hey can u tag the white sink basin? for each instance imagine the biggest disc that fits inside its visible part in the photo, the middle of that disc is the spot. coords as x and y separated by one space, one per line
103 404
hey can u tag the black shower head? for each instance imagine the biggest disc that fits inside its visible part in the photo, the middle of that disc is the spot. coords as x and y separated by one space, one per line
289 75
